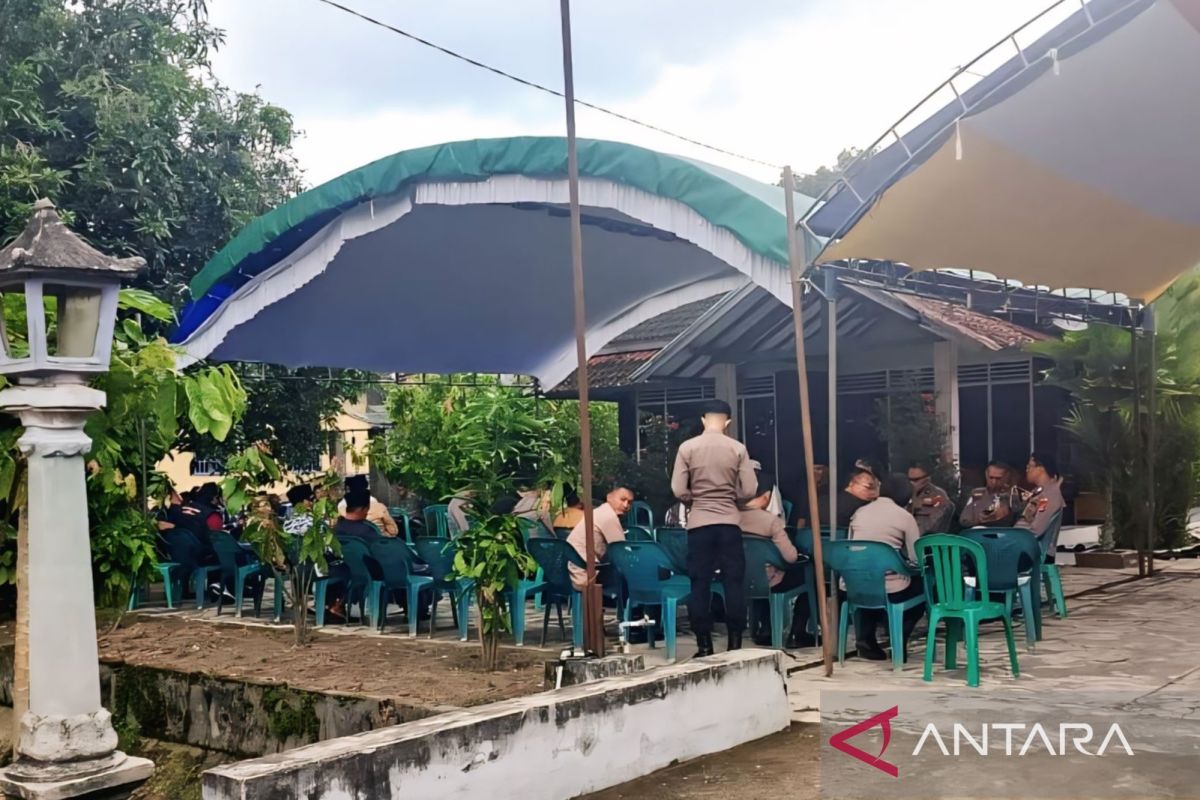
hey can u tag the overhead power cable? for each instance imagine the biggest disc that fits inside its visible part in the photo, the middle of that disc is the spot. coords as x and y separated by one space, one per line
540 87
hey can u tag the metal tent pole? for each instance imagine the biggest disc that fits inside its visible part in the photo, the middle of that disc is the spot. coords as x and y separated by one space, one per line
1137 426
1151 435
827 629
831 298
593 609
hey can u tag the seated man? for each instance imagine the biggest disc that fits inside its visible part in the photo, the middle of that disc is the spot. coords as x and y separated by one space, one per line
1046 499
886 520
991 505
299 520
353 521
377 514
928 503
606 528
757 520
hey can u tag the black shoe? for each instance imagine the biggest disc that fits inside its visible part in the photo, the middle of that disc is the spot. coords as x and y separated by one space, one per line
796 641
704 645
871 652
735 641
761 639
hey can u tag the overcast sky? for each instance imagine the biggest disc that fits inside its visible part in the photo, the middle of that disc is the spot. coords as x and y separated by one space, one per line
786 81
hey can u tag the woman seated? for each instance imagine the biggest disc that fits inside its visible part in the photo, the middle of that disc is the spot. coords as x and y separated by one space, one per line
886 520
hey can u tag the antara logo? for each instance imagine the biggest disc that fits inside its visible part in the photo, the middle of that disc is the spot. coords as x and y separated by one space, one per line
1007 738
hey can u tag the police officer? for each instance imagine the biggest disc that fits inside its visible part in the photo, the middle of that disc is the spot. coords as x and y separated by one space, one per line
992 505
929 504
1046 500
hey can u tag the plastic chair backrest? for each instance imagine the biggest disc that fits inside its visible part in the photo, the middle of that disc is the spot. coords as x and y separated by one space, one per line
229 552
787 510
674 542
553 556
760 552
184 547
641 564
641 514
562 533
439 555
356 552
1049 540
392 555
863 565
437 521
532 529
942 555
1009 553
636 533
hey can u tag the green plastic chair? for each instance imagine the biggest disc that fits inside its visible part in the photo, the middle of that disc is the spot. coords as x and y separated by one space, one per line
401 517
942 555
562 533
362 587
760 552
863 567
439 555
168 571
642 515
641 565
394 561
552 557
437 521
1051 577
636 533
674 542
240 568
532 529
787 510
1012 555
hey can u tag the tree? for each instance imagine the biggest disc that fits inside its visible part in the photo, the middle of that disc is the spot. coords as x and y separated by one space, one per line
814 183
109 107
908 422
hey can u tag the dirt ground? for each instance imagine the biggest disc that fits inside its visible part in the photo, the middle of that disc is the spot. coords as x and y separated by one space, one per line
781 766
387 666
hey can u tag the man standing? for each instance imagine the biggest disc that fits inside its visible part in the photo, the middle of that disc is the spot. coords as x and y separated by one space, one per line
991 505
606 529
1046 500
929 504
713 475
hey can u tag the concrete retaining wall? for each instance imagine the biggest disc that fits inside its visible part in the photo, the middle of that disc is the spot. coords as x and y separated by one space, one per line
549 746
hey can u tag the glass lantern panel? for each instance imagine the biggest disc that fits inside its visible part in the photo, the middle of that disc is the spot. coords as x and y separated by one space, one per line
72 320
14 323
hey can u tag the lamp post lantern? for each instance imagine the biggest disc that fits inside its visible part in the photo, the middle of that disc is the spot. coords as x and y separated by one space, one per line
58 296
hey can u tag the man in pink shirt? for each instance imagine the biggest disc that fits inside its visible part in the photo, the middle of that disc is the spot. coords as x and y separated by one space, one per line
606 528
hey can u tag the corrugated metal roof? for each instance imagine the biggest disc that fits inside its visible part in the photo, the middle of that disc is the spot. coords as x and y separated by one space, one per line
660 330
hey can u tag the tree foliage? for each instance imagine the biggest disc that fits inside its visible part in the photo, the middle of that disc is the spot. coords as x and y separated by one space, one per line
109 108
813 183
1096 366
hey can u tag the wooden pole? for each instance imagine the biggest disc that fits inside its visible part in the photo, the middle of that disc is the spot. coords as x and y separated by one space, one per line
828 630
1137 427
1151 436
593 608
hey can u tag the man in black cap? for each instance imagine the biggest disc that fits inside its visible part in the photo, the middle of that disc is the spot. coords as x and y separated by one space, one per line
713 475
377 514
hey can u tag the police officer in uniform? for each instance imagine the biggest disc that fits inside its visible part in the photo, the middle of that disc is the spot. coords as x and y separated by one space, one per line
929 504
1045 500
994 504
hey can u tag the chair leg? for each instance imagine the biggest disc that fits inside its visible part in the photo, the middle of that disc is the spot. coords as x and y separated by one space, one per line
546 623
280 583
318 602
538 598
199 586
895 615
433 612
843 630
1060 602
464 612
953 637
134 600
1030 618
931 643
239 593
577 620
972 636
414 613
815 623
778 610
168 585
562 629
518 615
1012 647
670 609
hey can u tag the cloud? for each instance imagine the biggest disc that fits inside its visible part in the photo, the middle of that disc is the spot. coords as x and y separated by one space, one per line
785 90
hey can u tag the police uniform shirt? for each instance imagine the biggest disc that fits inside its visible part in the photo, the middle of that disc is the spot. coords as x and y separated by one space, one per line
931 506
1043 504
975 513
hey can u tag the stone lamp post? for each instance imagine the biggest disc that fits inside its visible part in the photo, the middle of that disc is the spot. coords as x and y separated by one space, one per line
66 744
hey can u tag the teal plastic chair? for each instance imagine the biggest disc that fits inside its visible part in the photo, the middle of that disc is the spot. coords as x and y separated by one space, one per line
1012 557
863 567
943 556
552 557
642 565
437 521
562 533
172 586
760 552
184 548
439 555
1051 577
642 515
674 542
240 568
636 533
787 510
402 518
362 587
532 529
395 561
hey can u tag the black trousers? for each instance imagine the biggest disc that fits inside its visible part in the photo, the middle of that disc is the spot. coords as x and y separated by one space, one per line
868 619
712 548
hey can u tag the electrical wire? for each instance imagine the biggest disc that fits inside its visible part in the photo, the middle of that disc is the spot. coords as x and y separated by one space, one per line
540 87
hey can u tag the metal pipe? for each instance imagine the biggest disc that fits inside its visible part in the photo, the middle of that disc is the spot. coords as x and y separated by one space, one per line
827 629
593 610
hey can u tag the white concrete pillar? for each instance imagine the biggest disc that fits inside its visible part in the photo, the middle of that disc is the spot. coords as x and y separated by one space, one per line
67 745
945 385
726 388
